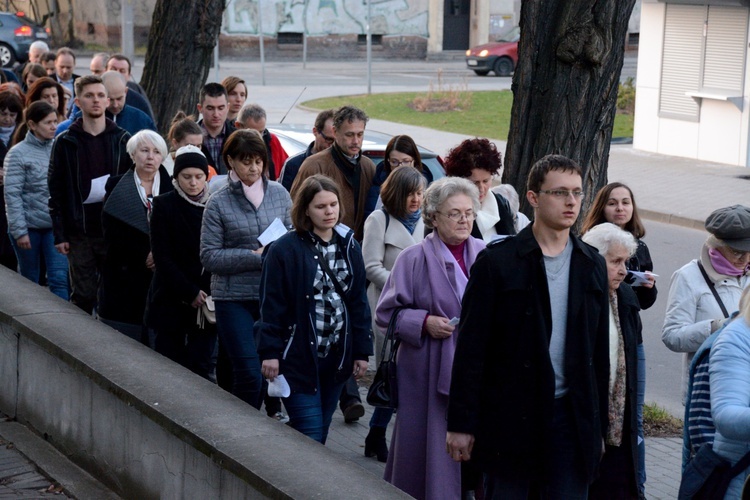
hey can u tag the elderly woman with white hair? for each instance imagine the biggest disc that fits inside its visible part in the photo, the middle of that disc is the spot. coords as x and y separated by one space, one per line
128 264
425 288
619 467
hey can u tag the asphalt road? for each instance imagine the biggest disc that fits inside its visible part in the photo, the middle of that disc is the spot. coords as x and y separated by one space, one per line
671 247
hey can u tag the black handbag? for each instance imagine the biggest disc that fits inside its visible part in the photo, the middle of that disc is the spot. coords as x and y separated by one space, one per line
383 392
707 475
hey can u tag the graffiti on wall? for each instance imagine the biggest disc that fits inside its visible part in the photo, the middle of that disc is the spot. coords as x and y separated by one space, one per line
321 17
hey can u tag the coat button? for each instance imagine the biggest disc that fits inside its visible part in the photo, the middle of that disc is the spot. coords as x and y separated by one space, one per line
307 296
526 364
290 327
315 257
529 311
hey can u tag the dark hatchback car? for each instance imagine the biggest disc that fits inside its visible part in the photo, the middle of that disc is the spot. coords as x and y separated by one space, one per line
17 33
500 56
295 138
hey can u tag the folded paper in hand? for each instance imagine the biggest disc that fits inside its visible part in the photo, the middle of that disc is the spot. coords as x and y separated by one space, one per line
279 387
272 233
641 278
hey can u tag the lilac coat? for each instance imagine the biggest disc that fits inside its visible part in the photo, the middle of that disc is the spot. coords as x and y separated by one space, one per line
424 279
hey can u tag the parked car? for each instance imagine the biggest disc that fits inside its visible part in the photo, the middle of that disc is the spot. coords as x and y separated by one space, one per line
500 56
17 33
295 138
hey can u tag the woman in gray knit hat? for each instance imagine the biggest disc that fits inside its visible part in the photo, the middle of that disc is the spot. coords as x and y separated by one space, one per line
705 291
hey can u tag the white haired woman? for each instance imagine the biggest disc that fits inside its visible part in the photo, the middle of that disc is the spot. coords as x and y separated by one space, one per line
425 288
128 264
619 467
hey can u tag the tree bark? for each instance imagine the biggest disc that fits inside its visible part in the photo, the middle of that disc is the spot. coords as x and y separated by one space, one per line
565 86
180 48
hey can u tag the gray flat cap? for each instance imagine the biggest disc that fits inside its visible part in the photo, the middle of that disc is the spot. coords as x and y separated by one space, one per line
731 225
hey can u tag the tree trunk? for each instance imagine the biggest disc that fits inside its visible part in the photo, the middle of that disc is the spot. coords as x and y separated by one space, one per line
180 48
565 87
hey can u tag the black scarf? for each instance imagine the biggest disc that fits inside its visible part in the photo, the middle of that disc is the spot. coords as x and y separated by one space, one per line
352 172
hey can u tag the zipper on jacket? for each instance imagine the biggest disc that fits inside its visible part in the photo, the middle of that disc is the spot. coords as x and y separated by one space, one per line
289 344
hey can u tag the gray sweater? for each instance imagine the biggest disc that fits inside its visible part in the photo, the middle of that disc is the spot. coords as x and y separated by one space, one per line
26 190
229 236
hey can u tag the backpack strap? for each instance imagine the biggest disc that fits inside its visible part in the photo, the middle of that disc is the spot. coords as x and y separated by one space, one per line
712 287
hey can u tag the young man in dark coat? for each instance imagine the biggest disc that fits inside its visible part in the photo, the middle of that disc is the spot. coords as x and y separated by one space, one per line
83 158
528 398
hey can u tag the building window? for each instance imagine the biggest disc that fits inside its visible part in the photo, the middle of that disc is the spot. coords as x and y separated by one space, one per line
376 39
289 38
704 54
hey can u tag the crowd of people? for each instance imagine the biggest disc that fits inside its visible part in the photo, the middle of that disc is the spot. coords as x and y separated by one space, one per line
521 362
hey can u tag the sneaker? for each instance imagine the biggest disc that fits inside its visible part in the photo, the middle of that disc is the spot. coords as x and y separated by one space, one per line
353 412
281 417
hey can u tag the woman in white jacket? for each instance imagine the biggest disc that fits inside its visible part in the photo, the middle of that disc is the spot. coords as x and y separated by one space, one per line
693 309
388 232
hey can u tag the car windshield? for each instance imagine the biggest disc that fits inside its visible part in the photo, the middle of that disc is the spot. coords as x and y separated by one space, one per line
511 36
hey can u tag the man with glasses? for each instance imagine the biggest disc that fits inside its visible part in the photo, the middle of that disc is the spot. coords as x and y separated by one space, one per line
323 132
346 165
528 399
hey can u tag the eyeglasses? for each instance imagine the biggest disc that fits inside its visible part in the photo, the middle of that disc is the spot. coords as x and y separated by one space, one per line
329 140
458 216
739 254
562 193
396 163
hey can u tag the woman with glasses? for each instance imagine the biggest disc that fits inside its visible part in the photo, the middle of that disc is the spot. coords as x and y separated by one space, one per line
478 160
424 289
615 203
401 151
706 291
235 217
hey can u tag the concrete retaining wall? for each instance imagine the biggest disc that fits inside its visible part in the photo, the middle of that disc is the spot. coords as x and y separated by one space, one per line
145 426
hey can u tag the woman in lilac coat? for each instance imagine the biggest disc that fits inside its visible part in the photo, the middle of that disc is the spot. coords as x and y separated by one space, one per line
429 280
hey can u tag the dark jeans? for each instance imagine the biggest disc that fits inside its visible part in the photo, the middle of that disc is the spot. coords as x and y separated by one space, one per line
30 261
311 414
85 263
191 347
349 393
234 322
563 477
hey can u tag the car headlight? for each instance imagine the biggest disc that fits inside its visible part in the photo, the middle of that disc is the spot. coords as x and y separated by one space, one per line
468 53
484 53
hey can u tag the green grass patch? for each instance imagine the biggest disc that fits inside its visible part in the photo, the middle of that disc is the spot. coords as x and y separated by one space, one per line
487 113
658 422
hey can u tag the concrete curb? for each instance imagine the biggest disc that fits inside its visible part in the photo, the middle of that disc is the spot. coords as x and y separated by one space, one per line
676 220
74 480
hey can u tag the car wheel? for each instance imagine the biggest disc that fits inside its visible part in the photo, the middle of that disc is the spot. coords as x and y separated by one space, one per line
503 66
482 72
7 57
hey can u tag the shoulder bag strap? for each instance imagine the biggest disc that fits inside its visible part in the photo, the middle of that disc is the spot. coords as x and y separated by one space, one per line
390 338
326 269
713 289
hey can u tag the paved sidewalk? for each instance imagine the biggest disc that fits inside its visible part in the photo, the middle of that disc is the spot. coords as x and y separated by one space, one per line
663 455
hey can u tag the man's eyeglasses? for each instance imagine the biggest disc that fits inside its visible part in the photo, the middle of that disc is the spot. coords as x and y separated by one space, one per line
397 163
562 193
458 216
329 140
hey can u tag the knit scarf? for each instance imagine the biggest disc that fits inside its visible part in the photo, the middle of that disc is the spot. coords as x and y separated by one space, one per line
722 266
411 220
198 200
617 382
